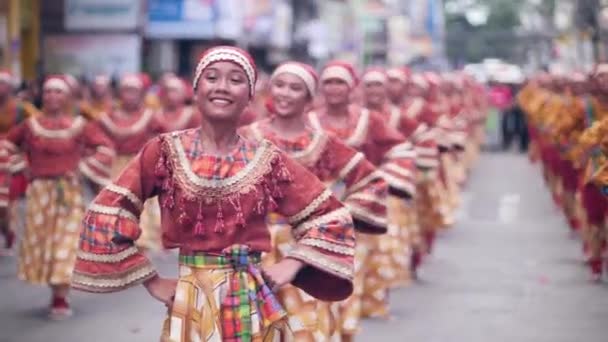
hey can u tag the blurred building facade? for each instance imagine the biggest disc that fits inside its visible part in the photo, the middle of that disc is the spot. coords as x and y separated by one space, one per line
85 37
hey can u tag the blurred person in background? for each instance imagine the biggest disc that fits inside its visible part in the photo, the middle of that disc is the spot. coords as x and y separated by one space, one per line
58 150
367 132
130 125
406 92
176 114
401 214
13 111
101 96
345 171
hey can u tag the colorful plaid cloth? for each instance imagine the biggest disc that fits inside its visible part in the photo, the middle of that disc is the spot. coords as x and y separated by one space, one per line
218 167
247 292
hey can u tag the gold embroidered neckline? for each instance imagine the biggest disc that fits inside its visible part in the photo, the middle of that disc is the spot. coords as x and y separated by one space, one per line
213 189
137 127
62 133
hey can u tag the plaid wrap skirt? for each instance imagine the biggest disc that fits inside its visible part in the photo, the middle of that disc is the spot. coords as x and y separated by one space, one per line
224 298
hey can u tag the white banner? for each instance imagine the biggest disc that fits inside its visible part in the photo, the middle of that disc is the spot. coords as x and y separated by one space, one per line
102 15
89 54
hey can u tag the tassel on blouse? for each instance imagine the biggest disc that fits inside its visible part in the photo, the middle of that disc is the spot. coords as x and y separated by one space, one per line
240 218
219 223
199 228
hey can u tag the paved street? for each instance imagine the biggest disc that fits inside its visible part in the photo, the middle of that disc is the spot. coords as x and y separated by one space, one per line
508 271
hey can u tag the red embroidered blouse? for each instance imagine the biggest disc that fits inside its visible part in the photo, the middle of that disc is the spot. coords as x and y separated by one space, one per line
423 137
185 118
209 203
344 170
382 145
59 146
130 133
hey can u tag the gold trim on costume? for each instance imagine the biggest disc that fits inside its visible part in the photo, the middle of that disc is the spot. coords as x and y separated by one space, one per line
113 211
311 207
135 128
64 133
108 258
211 189
365 215
338 215
86 170
137 202
106 284
329 246
352 163
321 261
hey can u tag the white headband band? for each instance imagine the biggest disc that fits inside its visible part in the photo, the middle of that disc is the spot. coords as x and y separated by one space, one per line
57 84
601 69
397 74
374 76
420 81
226 54
131 81
175 83
299 71
6 77
339 72
101 79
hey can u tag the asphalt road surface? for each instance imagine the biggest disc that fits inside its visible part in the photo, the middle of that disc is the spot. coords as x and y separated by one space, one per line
508 271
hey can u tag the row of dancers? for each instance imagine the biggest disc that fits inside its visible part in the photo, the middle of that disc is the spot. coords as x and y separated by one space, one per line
296 205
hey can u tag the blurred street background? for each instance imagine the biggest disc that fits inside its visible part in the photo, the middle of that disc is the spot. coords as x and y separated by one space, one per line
85 37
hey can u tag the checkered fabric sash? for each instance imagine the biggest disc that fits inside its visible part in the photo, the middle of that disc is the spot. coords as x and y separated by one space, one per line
248 293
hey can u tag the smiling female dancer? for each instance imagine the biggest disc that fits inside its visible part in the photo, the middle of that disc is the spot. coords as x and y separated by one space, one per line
216 190
350 176
60 148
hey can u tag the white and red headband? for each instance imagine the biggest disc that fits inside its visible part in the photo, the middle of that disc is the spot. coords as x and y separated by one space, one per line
375 75
302 71
340 70
600 69
228 54
419 81
57 83
398 74
131 81
102 80
6 77
176 83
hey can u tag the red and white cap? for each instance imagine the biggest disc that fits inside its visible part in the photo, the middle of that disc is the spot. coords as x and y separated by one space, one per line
432 78
174 82
341 70
232 54
6 77
420 81
57 82
131 81
103 80
601 68
401 74
374 74
304 71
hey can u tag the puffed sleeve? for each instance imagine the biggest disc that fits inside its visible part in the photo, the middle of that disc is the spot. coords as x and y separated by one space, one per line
424 139
14 145
323 230
398 157
97 165
8 155
365 192
108 260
